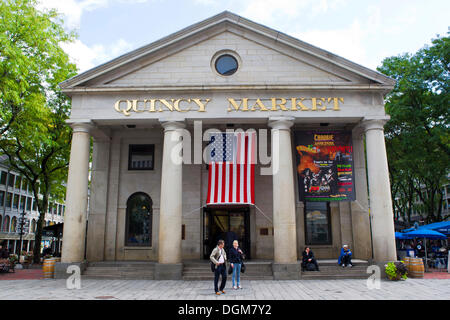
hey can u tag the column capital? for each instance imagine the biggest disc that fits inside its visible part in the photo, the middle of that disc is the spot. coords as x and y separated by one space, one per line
172 125
281 123
373 124
82 127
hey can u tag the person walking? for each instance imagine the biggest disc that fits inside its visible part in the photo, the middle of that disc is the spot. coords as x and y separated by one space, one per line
236 263
219 257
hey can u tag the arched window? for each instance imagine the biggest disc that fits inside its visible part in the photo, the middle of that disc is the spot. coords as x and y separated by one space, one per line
13 224
6 224
33 226
139 220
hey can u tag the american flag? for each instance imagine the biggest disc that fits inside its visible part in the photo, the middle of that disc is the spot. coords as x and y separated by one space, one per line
231 178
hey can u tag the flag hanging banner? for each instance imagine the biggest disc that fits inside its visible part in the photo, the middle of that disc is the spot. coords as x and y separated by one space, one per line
231 166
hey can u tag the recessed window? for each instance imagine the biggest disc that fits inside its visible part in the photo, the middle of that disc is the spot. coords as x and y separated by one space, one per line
226 65
139 220
141 156
317 223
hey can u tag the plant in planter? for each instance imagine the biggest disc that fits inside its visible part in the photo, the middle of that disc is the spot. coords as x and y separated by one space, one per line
13 259
396 271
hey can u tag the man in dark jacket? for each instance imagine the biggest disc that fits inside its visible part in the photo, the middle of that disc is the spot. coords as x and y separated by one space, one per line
308 257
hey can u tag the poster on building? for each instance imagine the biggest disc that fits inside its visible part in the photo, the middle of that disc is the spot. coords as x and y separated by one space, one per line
325 165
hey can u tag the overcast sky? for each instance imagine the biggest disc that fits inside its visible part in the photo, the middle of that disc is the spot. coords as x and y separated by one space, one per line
362 31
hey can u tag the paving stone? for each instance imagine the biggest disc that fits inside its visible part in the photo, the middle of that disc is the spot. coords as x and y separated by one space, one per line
349 289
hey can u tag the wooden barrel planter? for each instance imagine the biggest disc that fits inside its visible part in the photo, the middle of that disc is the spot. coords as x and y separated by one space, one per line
49 268
415 267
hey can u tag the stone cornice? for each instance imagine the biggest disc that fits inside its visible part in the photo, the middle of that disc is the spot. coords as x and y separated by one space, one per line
333 86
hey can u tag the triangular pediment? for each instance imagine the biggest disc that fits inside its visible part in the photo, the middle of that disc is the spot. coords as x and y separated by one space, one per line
266 58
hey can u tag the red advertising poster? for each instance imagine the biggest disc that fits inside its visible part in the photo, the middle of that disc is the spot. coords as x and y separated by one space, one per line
325 165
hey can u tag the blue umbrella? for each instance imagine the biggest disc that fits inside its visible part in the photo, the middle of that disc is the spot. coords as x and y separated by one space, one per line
442 227
400 236
426 234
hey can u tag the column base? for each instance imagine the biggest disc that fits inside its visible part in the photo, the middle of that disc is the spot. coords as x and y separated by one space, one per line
61 269
286 271
165 271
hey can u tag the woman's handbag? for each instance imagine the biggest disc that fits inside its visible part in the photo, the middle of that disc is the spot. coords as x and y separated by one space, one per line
243 268
230 269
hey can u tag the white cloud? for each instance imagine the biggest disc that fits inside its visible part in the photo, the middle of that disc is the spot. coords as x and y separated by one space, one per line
86 57
72 10
265 11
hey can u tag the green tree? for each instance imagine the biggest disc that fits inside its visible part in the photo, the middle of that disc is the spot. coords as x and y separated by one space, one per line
417 136
33 132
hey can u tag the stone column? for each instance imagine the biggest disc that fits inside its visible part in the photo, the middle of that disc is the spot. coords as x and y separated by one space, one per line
362 243
383 233
285 240
169 262
76 196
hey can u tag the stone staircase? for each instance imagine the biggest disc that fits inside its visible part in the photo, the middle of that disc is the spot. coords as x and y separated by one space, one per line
201 270
120 270
329 270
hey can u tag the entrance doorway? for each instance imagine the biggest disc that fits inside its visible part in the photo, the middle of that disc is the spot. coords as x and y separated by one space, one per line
221 223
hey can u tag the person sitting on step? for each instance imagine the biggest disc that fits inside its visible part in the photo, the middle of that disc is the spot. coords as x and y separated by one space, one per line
308 258
345 258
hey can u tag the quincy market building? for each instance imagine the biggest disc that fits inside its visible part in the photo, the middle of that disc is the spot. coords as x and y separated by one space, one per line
227 73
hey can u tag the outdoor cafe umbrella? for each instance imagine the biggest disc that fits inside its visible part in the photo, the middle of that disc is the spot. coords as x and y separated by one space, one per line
400 236
425 234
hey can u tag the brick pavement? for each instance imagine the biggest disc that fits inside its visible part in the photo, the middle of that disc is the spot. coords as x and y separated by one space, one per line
349 289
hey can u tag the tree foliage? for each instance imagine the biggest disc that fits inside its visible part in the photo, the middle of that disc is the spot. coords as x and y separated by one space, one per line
417 135
33 132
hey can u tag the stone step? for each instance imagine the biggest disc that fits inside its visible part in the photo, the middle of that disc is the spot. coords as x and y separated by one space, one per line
117 277
111 269
135 266
211 278
333 277
93 272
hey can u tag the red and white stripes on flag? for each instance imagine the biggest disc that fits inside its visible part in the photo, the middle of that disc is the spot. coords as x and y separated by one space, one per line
231 178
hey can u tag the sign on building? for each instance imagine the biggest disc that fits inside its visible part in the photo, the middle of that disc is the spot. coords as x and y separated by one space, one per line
325 165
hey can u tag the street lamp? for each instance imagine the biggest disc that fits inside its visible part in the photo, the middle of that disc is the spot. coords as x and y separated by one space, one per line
21 226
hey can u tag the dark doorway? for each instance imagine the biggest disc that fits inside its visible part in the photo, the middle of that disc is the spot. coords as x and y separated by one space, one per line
221 223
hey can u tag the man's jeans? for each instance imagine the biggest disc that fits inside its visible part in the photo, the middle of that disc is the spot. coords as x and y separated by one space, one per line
220 270
236 274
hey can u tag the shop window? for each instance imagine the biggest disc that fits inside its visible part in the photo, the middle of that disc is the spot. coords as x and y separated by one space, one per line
317 223
141 156
139 220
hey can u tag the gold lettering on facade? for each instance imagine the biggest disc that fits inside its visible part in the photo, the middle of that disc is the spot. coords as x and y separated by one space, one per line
126 110
318 102
201 105
260 105
244 103
336 103
300 104
282 104
184 105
